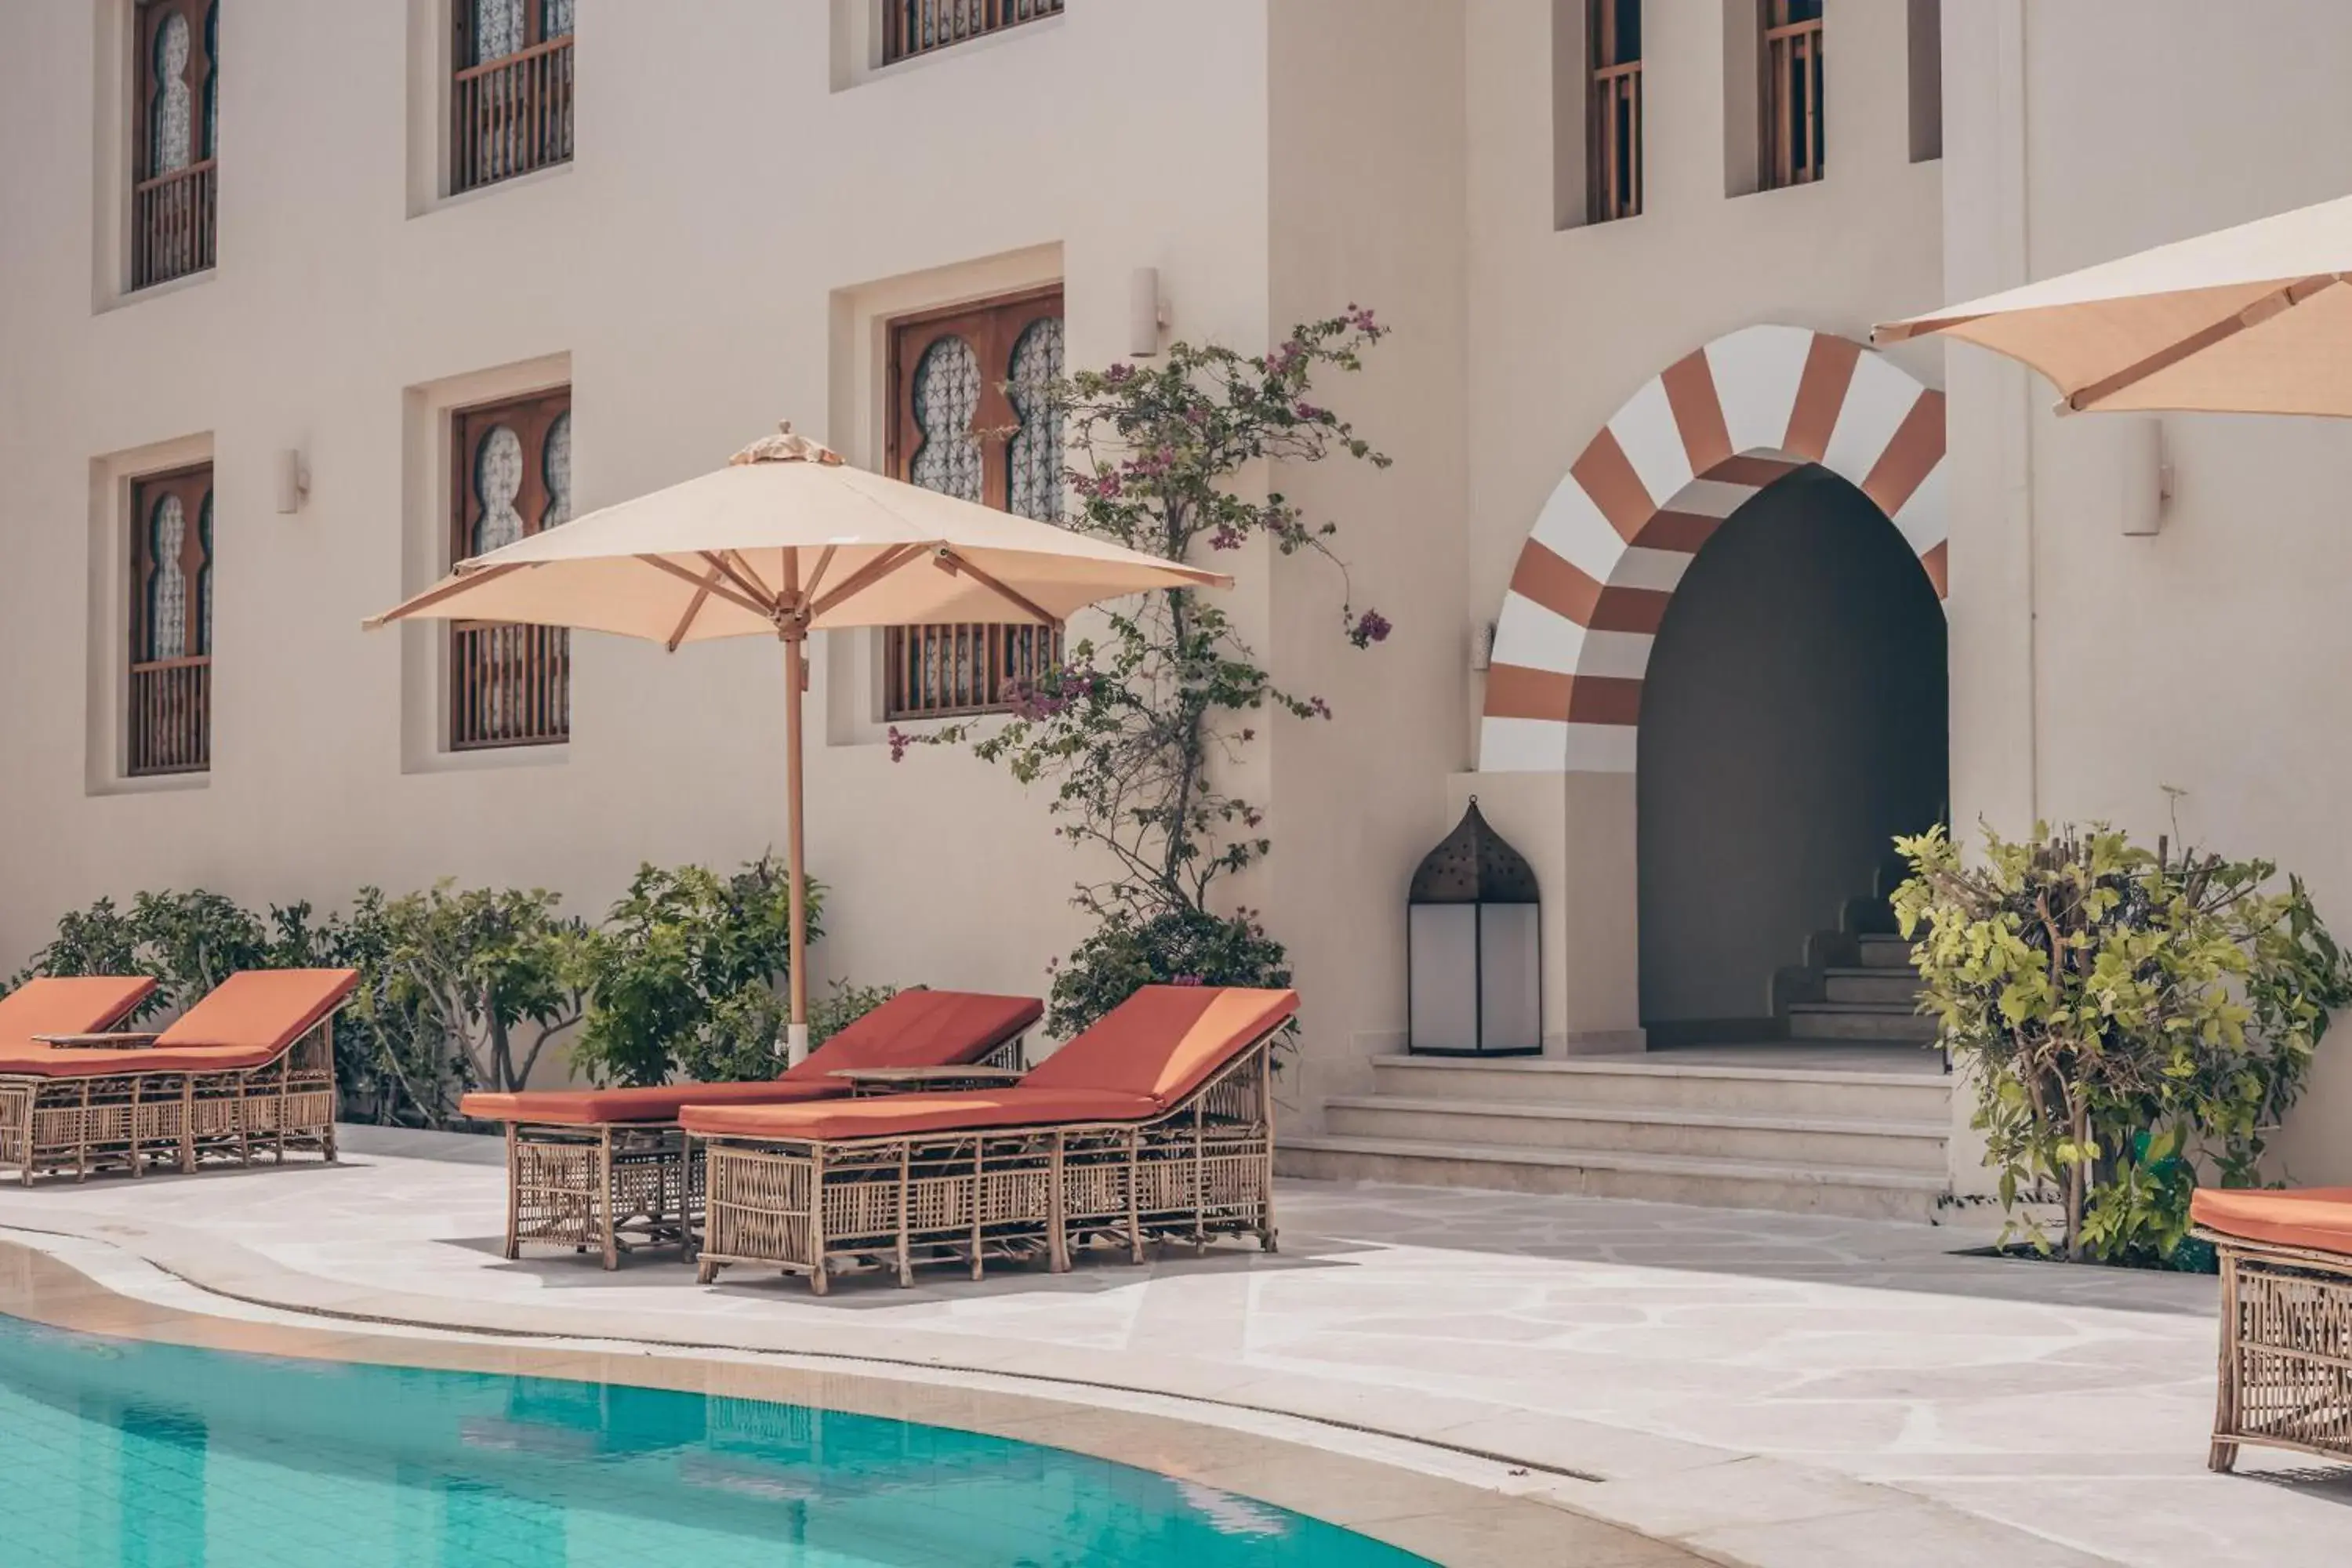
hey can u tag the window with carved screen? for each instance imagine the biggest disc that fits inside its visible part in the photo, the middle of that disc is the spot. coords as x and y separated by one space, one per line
911 28
175 134
511 96
511 476
969 418
171 687
1793 138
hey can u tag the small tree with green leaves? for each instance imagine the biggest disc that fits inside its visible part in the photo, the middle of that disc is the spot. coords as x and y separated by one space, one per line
2129 1015
1131 728
485 978
685 972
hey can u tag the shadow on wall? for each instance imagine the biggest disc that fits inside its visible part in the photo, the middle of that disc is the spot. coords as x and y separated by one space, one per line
1793 720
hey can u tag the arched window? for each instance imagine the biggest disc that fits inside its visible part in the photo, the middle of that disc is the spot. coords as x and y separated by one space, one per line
971 417
175 130
946 399
167 578
170 696
1034 464
170 141
509 685
510 99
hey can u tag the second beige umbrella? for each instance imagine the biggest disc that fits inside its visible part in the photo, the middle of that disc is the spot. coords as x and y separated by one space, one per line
784 541
2254 320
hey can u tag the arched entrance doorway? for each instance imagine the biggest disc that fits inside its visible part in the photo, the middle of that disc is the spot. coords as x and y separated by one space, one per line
1593 583
1792 723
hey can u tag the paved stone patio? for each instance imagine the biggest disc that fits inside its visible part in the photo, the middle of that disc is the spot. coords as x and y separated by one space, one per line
1763 1388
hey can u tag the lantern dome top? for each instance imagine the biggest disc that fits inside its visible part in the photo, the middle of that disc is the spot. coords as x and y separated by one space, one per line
1474 865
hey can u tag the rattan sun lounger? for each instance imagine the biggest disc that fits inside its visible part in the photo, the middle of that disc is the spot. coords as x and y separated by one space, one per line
249 1069
1155 1124
608 1168
2286 1319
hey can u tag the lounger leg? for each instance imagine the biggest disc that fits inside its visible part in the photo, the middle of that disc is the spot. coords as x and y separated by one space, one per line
606 1178
906 1264
2223 1454
1135 1196
138 1150
979 1202
1057 1231
514 1194
705 1271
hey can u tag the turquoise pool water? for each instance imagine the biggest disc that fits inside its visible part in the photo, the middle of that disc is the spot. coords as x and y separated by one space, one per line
123 1453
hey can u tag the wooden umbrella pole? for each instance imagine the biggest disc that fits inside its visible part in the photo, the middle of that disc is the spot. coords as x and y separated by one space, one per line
795 675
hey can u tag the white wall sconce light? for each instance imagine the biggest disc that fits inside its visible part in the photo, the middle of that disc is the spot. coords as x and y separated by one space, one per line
293 480
1147 312
2146 477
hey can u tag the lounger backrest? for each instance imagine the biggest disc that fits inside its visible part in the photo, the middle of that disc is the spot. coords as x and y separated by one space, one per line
923 1029
261 1009
69 1005
1165 1041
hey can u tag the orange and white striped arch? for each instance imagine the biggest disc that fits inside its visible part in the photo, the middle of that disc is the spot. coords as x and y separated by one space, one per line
1564 683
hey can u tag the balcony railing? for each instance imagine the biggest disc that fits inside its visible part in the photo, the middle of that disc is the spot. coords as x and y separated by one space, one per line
171 716
512 115
1792 104
911 28
509 686
941 671
171 219
1614 187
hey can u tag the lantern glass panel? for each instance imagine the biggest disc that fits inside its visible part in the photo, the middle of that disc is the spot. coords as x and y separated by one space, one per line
1444 976
1510 950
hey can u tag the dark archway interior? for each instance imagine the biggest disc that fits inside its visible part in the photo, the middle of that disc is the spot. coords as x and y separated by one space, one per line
1793 720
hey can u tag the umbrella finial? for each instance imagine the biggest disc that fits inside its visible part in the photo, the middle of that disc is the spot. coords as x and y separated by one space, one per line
785 447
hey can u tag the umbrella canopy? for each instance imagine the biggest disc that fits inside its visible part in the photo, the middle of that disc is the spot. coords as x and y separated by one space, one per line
784 541
787 531
2255 319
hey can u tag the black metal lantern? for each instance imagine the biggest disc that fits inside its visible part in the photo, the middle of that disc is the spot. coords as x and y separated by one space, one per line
1473 947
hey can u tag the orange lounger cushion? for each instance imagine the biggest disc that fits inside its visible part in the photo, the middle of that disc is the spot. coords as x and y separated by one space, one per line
263 1010
2317 1218
245 1022
1165 1041
65 1004
912 1029
898 1115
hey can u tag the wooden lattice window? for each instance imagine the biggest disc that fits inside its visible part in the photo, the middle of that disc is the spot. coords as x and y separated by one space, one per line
911 28
511 476
1792 138
171 620
1612 137
511 100
174 132
966 419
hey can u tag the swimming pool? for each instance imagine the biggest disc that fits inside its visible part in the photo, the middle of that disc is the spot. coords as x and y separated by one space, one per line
125 1452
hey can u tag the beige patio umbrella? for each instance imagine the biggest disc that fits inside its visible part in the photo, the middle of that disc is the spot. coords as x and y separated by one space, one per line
784 541
2253 320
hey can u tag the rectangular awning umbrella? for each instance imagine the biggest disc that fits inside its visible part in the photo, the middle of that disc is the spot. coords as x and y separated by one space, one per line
2251 319
786 540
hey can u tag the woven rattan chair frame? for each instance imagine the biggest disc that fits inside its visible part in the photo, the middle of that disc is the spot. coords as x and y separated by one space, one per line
2286 1352
138 1122
613 1187
1203 1170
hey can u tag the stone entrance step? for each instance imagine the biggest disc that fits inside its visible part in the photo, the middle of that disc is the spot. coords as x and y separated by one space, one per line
1795 1139
1885 952
1720 1183
1877 984
1873 1021
1728 1081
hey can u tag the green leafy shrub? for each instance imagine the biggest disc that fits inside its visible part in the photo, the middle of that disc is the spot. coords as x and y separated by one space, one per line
685 974
1178 947
2129 1016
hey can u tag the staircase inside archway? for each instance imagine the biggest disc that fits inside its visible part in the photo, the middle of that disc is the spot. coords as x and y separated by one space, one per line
1841 1107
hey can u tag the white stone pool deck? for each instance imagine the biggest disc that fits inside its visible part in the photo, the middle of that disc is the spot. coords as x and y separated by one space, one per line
1766 1389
